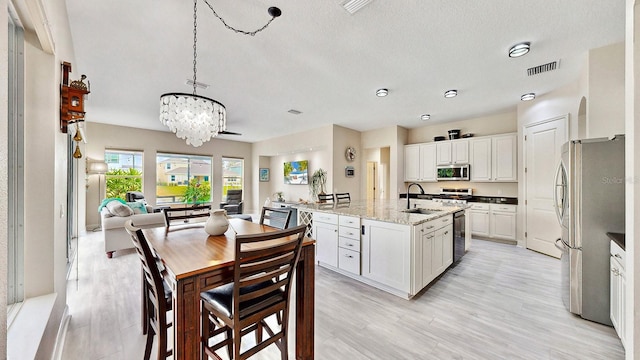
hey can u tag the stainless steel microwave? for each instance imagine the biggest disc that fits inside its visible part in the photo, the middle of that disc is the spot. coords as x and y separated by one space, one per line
452 172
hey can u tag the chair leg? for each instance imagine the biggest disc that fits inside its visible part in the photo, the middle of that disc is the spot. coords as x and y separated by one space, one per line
149 344
259 333
204 331
284 349
230 344
162 345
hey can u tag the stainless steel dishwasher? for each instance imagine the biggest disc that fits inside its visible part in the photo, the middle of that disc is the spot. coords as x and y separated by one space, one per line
458 235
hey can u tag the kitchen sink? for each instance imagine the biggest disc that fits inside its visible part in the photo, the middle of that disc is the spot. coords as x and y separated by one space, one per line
422 211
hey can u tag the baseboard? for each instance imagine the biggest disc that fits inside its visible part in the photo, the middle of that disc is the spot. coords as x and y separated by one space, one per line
62 335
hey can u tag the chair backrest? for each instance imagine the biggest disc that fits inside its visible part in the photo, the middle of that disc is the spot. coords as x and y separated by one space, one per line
184 214
152 273
132 196
266 259
343 197
275 217
234 196
325 197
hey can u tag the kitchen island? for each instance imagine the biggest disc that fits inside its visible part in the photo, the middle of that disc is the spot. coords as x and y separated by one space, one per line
382 243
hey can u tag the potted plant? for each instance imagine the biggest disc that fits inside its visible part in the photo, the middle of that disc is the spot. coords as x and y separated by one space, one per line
317 183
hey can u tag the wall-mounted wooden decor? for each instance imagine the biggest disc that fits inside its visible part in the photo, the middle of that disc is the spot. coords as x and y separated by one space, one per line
71 98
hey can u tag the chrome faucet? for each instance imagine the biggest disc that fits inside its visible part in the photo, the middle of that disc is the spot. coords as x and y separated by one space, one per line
409 187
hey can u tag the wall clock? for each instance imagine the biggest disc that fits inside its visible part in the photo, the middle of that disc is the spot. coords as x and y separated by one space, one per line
350 154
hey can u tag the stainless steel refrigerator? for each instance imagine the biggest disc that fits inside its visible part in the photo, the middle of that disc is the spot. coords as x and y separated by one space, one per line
589 200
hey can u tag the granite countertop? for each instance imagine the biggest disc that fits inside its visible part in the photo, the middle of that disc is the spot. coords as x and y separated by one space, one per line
384 210
618 238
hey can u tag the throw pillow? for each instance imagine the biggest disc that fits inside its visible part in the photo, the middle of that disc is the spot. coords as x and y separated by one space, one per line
138 207
119 209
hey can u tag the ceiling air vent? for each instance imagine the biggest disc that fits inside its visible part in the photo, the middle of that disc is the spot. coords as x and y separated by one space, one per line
294 112
543 68
352 6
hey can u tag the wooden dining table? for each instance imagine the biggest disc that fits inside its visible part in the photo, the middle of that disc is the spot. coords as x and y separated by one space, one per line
196 262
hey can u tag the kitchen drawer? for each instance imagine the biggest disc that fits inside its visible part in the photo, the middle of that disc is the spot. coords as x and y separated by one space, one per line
352 233
618 254
349 260
437 223
349 244
325 217
479 206
503 208
349 221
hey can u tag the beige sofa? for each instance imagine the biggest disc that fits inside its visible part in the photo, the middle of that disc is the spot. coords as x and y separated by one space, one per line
116 237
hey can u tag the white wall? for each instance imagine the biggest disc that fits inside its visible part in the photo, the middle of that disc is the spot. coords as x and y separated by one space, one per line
632 166
4 143
486 125
605 105
103 136
315 145
394 138
343 138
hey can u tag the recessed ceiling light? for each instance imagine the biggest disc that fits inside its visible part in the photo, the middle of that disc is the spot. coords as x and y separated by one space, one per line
450 93
528 97
520 49
382 92
425 117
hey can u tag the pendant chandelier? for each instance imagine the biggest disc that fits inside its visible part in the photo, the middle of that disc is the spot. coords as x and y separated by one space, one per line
193 117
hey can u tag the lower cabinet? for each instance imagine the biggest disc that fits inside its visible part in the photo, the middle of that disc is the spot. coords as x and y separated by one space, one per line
618 289
325 232
433 251
386 254
493 220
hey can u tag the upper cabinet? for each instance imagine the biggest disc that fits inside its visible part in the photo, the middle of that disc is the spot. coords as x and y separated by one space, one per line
493 158
453 152
420 162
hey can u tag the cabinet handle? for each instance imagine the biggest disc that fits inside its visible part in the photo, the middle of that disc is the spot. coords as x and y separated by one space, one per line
615 271
336 230
618 256
350 245
430 227
350 233
430 237
444 220
348 256
446 232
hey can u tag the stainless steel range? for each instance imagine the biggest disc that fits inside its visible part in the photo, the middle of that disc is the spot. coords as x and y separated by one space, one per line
449 196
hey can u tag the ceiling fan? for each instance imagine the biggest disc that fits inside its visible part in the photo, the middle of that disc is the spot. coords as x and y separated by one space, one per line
225 132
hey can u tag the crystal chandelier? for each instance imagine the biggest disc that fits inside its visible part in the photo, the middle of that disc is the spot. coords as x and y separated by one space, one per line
193 117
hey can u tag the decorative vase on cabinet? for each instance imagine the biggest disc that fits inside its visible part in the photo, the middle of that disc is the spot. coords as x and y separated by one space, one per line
217 223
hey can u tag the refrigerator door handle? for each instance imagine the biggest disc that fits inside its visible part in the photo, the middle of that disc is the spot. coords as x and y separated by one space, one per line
556 206
560 247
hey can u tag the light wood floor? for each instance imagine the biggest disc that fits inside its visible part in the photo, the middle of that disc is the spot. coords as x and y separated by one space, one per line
499 302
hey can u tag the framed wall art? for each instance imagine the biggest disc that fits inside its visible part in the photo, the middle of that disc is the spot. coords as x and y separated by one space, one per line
264 174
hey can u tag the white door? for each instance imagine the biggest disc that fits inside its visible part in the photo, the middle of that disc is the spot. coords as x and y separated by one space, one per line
543 142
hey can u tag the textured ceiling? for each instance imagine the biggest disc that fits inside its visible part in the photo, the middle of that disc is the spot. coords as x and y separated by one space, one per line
319 59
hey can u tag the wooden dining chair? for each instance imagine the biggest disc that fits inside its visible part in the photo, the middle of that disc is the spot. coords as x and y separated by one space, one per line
343 197
325 198
157 294
263 269
275 217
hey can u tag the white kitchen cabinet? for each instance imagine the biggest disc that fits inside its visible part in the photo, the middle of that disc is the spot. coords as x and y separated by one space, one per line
502 221
420 162
433 250
496 221
349 244
386 254
618 288
452 152
494 158
325 232
479 214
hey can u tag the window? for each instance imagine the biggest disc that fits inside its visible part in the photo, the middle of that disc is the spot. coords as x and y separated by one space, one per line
232 175
124 173
15 162
183 178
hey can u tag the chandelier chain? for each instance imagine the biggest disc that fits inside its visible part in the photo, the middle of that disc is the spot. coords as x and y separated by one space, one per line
252 33
195 41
